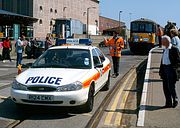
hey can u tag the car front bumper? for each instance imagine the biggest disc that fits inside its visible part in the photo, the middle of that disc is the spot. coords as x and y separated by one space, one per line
69 98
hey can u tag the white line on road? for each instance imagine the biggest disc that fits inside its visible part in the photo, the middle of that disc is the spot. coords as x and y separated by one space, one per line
3 97
4 69
141 115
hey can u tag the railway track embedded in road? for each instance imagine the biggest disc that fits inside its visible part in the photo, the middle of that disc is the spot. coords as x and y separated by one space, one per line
94 121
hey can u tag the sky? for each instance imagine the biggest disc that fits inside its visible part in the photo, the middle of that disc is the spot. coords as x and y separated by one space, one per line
159 11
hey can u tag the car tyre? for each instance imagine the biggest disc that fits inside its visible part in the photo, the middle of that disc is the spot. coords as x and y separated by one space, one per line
88 106
107 85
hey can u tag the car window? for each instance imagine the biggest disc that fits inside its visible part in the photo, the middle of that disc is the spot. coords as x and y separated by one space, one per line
64 58
101 55
95 58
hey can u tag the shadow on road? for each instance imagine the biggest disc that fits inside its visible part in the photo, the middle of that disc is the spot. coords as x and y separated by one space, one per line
123 111
152 108
9 110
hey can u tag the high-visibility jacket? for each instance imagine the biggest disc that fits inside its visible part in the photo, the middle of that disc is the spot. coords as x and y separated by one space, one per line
115 46
159 32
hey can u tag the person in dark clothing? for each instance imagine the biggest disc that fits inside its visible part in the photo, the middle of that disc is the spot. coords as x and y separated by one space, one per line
48 43
168 71
6 49
159 34
168 27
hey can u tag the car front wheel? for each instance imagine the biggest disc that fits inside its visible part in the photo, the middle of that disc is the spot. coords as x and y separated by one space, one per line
107 85
88 106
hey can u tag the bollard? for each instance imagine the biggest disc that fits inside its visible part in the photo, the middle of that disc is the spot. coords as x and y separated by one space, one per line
19 68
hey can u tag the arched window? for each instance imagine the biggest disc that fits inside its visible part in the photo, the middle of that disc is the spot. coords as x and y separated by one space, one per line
41 8
55 11
51 10
51 23
40 22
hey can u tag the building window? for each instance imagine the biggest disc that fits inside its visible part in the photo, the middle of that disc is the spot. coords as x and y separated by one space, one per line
51 23
40 22
41 8
51 10
55 11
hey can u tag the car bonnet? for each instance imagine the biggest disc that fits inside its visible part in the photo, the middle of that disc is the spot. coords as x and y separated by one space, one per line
50 76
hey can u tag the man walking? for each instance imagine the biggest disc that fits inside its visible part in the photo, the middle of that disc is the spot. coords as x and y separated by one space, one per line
6 49
168 71
115 45
19 50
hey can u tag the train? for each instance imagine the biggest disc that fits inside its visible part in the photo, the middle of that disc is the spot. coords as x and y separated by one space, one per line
143 36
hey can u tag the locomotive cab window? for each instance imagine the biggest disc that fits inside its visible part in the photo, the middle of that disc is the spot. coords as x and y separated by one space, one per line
142 27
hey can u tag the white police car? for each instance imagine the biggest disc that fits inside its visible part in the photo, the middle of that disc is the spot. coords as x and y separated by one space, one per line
63 76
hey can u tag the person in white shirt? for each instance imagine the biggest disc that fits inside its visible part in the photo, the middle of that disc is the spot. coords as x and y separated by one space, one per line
19 50
175 39
168 71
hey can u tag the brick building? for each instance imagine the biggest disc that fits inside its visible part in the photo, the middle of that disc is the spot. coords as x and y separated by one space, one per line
107 24
47 11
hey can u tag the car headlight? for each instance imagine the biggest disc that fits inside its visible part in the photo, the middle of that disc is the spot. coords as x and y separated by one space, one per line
18 86
70 87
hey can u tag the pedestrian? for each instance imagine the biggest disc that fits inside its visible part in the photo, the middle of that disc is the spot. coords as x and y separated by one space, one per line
19 49
168 71
48 43
6 49
159 34
168 27
28 49
174 38
115 46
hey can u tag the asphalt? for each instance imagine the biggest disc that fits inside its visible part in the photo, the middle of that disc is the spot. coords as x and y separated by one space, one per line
9 113
152 114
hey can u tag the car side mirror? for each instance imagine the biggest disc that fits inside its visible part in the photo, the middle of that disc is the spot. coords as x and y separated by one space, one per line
28 65
99 66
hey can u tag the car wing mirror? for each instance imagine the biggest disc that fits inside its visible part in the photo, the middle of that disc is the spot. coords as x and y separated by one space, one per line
99 66
27 65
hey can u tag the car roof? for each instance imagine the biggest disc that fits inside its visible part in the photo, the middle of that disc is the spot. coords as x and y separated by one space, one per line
74 47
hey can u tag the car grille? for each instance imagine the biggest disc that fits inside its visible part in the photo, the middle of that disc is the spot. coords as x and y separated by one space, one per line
42 88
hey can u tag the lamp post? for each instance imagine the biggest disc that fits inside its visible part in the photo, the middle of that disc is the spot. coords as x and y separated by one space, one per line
64 9
130 16
120 21
130 20
64 25
88 21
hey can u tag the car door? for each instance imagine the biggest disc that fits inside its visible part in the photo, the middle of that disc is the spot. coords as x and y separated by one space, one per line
105 63
97 70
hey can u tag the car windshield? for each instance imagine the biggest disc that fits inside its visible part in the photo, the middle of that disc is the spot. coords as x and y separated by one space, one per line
64 58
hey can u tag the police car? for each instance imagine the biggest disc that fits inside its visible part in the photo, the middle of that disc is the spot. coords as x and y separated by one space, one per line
63 76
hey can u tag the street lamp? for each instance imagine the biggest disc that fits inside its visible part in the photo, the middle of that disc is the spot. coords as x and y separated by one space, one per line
130 19
88 21
120 21
64 8
130 16
64 25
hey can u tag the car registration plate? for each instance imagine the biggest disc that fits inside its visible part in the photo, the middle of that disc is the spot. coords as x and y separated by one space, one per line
40 97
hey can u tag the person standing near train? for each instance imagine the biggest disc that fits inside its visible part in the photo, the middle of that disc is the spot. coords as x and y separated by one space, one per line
174 38
115 46
159 34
